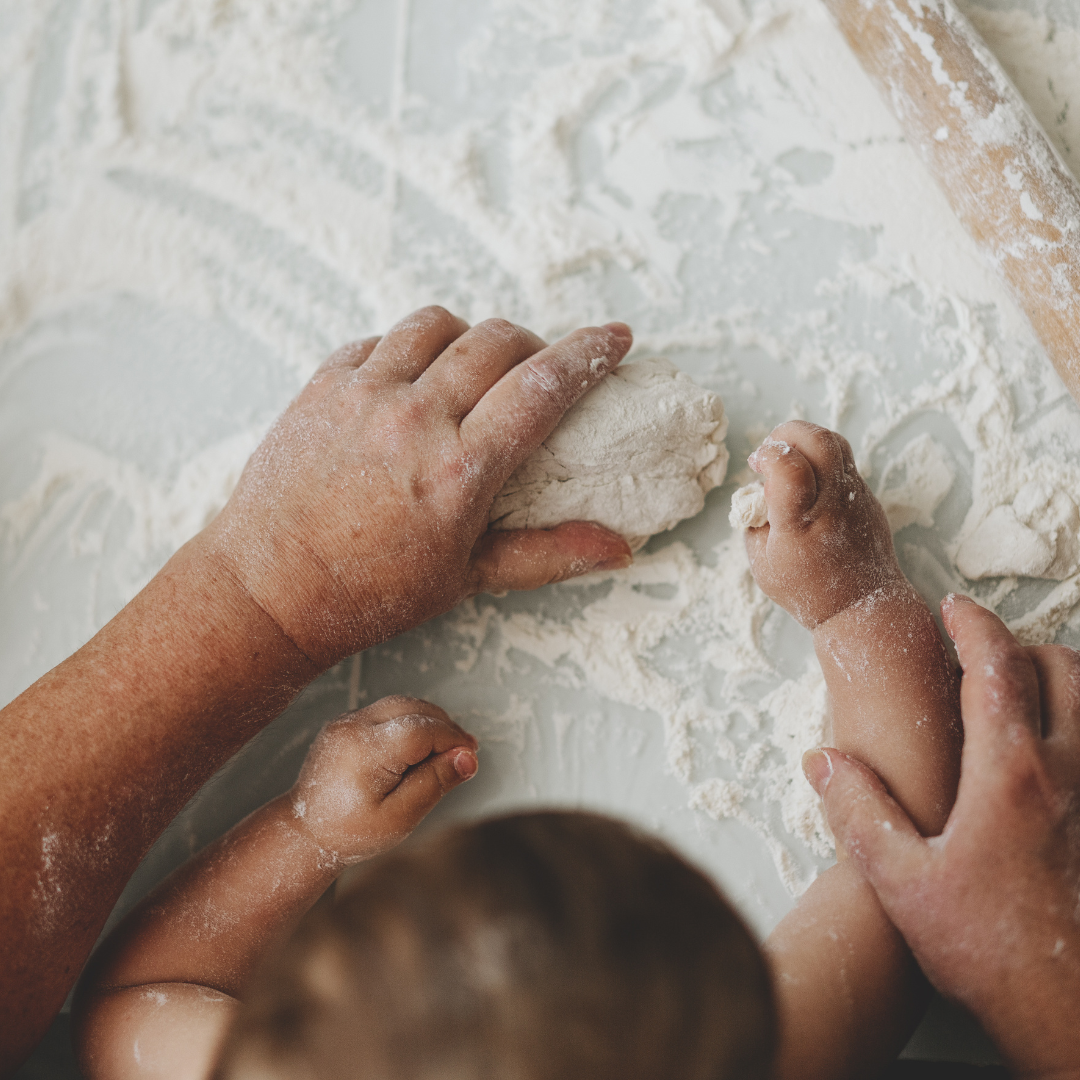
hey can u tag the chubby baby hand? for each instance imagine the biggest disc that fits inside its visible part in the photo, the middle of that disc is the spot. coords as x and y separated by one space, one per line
372 776
827 544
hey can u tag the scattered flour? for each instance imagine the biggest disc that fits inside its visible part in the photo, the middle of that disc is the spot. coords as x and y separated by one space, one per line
649 161
637 454
915 483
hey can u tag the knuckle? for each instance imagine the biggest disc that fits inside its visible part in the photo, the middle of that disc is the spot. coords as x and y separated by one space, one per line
435 313
459 473
413 413
1023 777
542 379
397 705
345 352
502 329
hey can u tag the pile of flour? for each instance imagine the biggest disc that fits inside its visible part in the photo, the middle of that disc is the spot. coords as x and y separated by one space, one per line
637 454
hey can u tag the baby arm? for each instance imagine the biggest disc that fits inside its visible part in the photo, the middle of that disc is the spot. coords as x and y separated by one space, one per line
850 992
159 995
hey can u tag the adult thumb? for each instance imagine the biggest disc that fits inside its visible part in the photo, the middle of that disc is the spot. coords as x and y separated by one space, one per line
529 558
867 822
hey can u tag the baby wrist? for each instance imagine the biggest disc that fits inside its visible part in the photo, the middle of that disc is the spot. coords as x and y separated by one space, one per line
867 603
325 849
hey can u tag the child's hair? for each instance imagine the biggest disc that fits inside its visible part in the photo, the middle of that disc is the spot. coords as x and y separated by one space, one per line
541 946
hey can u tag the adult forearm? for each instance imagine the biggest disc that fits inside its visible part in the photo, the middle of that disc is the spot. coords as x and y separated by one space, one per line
105 749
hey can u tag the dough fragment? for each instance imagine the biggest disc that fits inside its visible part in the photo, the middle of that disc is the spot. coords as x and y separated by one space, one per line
748 509
636 454
1036 535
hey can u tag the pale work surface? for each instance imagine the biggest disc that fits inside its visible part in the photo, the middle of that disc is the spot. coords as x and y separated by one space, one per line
199 200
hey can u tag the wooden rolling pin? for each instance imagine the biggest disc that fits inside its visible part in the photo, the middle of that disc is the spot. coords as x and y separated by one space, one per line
998 169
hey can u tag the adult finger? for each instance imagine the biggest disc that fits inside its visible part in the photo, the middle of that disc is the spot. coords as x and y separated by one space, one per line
1057 668
999 691
469 367
515 416
405 352
529 558
868 824
791 487
348 356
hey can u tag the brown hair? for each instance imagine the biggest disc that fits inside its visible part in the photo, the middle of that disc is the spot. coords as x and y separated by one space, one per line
531 947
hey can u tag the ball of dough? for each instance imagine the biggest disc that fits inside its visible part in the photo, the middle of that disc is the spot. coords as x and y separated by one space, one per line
636 454
748 509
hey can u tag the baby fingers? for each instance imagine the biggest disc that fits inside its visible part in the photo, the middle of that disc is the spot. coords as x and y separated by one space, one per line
790 484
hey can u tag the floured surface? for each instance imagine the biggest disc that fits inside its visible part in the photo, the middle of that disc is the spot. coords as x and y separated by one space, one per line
205 200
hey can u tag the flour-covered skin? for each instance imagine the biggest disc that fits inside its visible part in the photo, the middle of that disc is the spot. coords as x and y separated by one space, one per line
827 543
990 906
848 986
364 511
160 993
371 776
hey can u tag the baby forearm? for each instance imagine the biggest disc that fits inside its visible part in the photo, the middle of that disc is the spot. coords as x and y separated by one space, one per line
895 698
210 922
848 991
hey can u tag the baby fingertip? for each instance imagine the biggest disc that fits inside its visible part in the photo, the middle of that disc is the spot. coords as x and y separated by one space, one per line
466 764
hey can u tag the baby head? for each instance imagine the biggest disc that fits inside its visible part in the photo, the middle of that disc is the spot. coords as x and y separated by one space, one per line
531 947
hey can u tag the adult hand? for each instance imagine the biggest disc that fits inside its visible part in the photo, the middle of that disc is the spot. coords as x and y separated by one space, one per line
991 908
364 512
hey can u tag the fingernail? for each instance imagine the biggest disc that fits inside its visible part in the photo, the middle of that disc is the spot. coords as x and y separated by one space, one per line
817 768
947 605
615 562
621 332
466 764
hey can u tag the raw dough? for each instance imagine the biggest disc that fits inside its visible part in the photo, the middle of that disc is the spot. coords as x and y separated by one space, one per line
748 509
636 454
1037 535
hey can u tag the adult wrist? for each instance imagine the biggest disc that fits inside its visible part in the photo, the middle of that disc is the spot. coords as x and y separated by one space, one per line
248 624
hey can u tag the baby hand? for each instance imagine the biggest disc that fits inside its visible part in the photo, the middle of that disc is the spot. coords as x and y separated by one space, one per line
827 544
372 776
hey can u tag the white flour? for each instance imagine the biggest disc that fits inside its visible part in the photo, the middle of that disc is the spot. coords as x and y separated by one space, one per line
637 454
719 174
